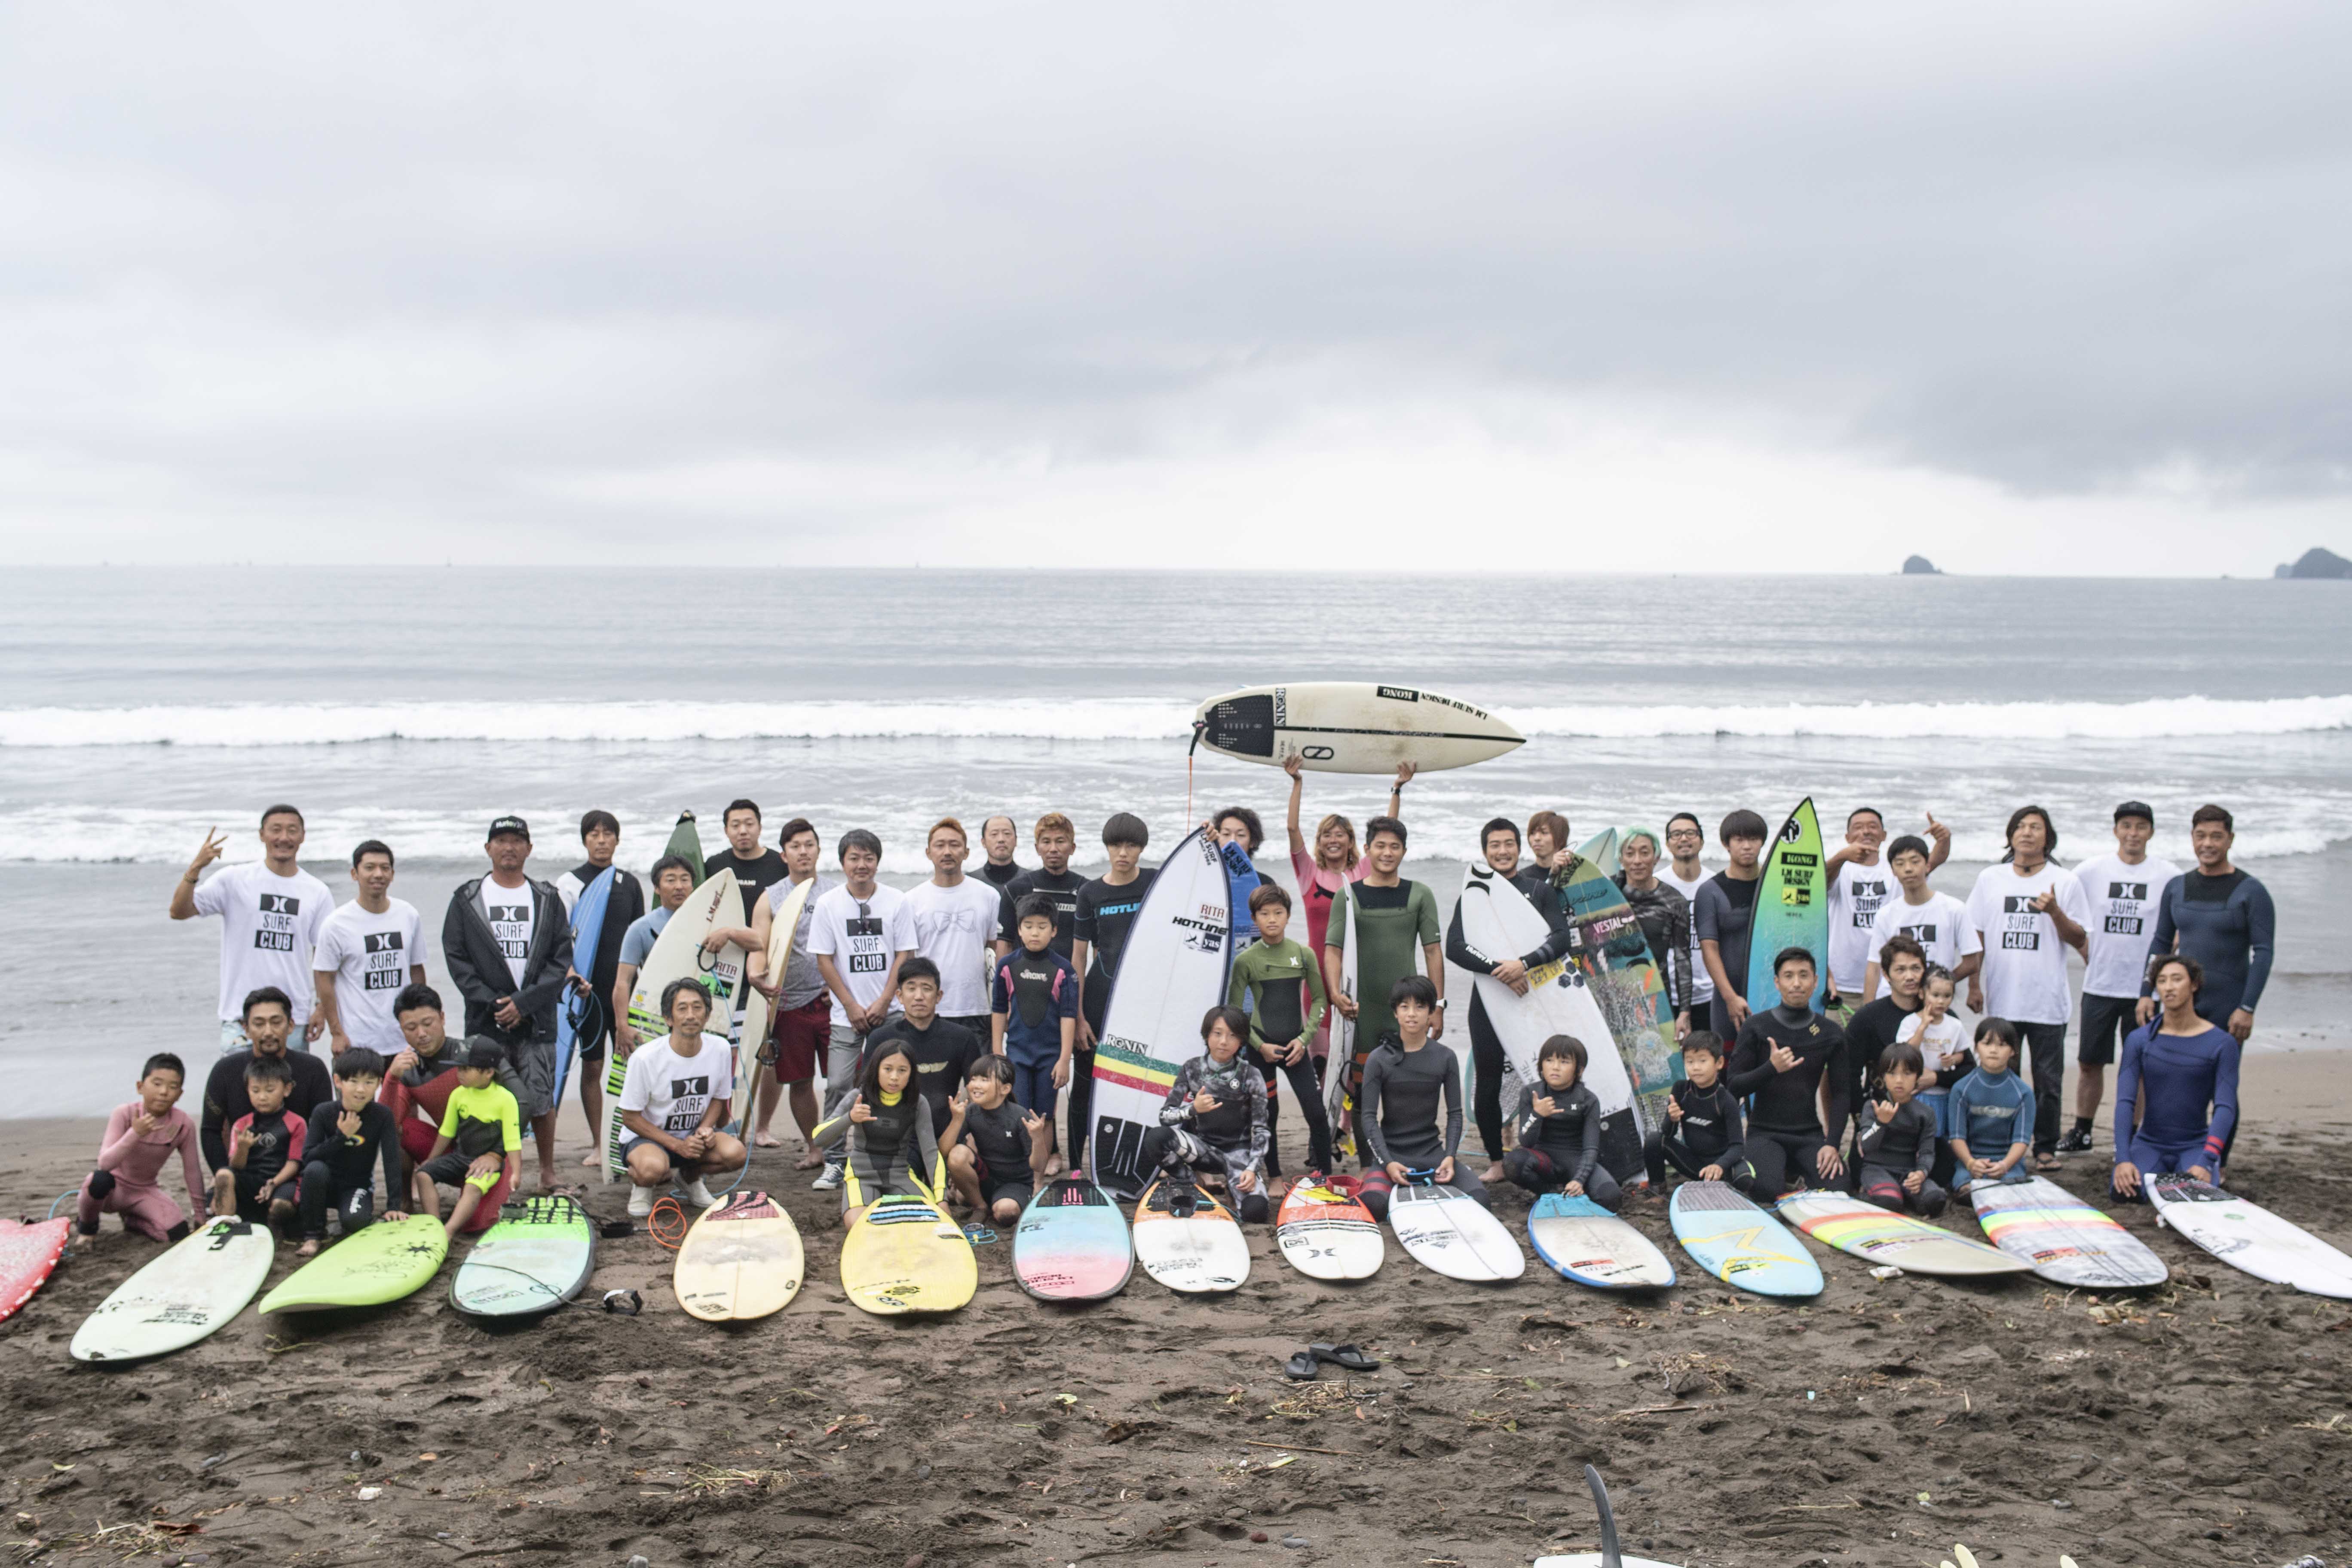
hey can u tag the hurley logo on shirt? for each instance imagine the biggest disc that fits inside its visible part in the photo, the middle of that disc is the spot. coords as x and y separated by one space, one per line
2023 932
507 924
1924 935
1867 898
2124 901
274 929
382 953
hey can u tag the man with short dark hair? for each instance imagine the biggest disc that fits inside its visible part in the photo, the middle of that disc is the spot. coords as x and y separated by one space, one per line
270 911
1395 921
369 950
508 948
861 932
999 837
1056 839
2223 919
1685 839
2121 890
266 1022
755 869
1725 914
625 904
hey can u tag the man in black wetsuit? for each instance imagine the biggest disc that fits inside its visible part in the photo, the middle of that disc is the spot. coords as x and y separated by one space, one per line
1500 843
1875 1024
1783 1057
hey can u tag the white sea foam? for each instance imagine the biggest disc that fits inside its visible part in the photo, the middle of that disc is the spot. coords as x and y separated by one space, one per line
1116 719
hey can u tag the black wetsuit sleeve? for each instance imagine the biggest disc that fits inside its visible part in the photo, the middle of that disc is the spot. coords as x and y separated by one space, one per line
1735 1130
1870 1142
2167 934
1458 950
1751 1058
1526 1124
1590 1155
388 1152
1838 1074
1177 1109
1453 1104
1368 1103
2262 933
1261 1124
209 1132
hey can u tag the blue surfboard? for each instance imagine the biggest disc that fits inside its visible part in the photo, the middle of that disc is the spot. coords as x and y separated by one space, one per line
1793 907
587 917
1738 1243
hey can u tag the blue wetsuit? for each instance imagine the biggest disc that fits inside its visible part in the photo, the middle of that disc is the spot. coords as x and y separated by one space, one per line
2182 1075
2228 925
1991 1113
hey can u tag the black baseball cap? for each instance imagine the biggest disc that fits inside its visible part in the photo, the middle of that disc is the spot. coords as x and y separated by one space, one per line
481 1051
514 824
2138 808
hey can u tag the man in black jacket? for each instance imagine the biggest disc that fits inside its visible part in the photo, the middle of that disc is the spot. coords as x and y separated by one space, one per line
508 948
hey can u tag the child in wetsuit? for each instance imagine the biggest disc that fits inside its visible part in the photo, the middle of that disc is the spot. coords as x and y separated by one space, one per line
1781 1058
1704 1134
1559 1123
264 1152
1989 1121
1034 1006
478 1148
1282 985
1897 1140
1214 1118
1397 1112
887 1127
348 1138
140 1138
1002 1156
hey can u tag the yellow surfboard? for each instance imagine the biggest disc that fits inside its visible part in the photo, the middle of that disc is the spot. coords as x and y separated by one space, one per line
741 1260
907 1255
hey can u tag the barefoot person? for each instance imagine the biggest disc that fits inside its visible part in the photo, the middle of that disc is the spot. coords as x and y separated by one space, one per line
1498 841
2181 1072
1327 865
2223 919
270 911
1784 1056
675 1104
478 1147
509 949
369 951
348 1138
1396 927
1409 1115
1725 914
2121 890
800 1027
2027 912
267 1022
600 838
141 1139
955 927
1684 875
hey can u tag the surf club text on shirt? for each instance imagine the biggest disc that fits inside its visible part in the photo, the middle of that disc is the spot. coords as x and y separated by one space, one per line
2021 924
277 922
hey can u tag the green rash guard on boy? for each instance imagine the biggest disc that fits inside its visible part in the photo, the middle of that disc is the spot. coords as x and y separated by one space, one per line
1284 986
1393 925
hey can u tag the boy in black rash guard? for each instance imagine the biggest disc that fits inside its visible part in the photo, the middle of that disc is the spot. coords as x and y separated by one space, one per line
1215 1116
1559 1123
1703 1137
996 1164
349 1137
1897 1142
1499 841
1397 1114
1784 1056
265 1148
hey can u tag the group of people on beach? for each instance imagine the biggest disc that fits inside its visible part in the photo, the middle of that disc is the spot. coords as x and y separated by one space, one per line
942 1038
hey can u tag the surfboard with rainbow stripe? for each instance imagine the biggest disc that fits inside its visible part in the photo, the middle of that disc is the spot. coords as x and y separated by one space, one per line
2065 1239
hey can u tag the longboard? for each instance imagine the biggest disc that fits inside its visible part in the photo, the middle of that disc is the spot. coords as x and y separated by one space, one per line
1792 906
1174 969
907 1255
741 1260
28 1255
2065 1239
1581 1241
1187 1240
1352 727
1881 1236
382 1263
1626 985
2250 1237
678 955
187 1292
1445 1230
781 930
535 1258
1325 1233
1738 1243
1072 1242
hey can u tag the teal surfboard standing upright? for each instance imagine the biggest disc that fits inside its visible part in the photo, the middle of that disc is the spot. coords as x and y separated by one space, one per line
587 927
1793 907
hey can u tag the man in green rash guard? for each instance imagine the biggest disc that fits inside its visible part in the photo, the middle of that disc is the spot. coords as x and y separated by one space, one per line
1392 917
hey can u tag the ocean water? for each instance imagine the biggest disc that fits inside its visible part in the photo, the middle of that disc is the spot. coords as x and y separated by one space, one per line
142 707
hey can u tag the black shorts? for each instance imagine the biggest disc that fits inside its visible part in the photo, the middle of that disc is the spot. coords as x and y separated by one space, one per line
251 1207
449 1169
686 1170
2106 1021
992 1192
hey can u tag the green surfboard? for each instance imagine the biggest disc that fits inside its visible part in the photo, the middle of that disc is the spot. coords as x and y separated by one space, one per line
1626 982
537 1256
686 841
388 1260
1792 906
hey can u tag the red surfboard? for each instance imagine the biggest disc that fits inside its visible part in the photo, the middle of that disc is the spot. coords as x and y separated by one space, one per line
28 1255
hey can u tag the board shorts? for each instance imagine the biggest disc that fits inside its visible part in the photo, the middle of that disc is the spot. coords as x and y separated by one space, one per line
2105 1020
993 1188
799 1037
684 1169
449 1171
534 1070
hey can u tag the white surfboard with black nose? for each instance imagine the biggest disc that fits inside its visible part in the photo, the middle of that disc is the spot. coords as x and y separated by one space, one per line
1352 727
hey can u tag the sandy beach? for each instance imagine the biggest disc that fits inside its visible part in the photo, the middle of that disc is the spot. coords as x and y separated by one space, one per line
2207 1422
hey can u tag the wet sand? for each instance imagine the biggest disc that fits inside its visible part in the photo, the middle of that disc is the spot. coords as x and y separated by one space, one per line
2207 1421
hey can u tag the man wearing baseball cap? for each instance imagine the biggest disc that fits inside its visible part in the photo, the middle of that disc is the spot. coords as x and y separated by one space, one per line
508 948
2123 890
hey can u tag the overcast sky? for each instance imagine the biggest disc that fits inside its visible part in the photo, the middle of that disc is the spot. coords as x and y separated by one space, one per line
1741 287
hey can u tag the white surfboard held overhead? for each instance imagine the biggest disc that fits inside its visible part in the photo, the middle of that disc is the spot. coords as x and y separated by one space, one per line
1352 727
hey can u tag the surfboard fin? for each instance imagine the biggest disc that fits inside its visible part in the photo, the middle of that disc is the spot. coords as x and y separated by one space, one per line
1610 1557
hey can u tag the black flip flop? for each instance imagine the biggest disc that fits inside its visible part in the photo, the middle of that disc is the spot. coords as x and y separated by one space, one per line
1303 1367
1346 1356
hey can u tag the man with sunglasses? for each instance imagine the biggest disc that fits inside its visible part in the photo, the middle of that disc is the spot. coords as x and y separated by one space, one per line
859 934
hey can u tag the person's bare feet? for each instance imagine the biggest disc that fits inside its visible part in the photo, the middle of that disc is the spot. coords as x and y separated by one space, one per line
766 1140
810 1161
308 1249
1054 1165
591 1161
1493 1173
548 1179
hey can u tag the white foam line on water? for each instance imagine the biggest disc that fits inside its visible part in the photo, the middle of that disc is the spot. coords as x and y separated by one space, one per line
1113 718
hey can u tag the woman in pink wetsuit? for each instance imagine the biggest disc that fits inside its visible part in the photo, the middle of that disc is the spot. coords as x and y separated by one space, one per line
140 1140
1331 865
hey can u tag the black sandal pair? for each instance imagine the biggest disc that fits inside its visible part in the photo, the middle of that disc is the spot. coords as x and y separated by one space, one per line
1308 1365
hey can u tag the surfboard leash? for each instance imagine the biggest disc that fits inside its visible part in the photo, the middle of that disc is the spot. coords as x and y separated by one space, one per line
1199 728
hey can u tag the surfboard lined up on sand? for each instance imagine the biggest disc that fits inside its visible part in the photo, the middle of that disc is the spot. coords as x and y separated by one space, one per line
535 1257
1325 1232
1881 1236
182 1295
1189 1241
741 1260
1738 1243
907 1255
2065 1239
2250 1237
1072 1242
378 1265
1446 1230
1580 1240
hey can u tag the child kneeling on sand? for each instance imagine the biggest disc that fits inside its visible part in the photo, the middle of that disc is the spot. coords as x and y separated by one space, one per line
1897 1142
886 1125
1559 1123
140 1138
349 1136
478 1150
1989 1121
1214 1119
265 1150
998 1162
1703 1136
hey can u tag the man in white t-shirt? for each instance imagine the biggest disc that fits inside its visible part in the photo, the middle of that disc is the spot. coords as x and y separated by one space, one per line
1860 886
270 911
1937 921
2027 911
858 933
2123 890
675 1103
1684 839
369 951
955 920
